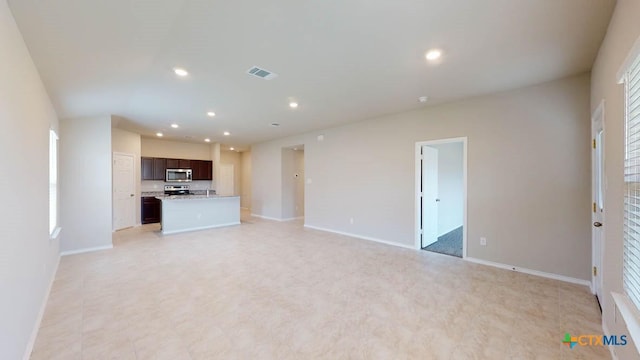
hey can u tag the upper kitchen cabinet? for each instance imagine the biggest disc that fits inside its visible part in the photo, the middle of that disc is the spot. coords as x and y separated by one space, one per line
152 168
159 168
201 169
178 164
147 168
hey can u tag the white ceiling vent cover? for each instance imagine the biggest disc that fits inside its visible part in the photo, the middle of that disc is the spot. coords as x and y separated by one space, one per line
261 73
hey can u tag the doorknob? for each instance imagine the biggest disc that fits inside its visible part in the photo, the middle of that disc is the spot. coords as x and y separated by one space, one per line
597 224
437 200
131 195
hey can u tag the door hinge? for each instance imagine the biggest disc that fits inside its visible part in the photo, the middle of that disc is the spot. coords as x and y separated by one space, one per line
595 271
594 207
594 143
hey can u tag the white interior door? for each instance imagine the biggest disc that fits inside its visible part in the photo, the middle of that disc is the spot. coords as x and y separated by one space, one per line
226 184
598 184
429 195
124 200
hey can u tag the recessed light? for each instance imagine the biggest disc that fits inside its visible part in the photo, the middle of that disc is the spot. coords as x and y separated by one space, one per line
211 114
296 149
180 72
423 99
231 149
226 133
207 140
159 134
293 104
175 126
433 54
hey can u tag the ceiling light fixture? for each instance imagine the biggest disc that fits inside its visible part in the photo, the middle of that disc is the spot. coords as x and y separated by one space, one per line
207 140
433 54
293 104
175 126
226 133
211 114
159 134
180 72
231 149
423 99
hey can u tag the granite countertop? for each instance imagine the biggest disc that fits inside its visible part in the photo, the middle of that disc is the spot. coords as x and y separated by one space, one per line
192 197
151 193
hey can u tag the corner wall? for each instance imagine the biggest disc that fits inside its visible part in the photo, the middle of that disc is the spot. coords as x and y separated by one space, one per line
85 184
528 164
28 258
623 31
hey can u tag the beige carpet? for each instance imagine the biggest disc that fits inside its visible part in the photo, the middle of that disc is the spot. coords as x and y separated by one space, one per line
269 290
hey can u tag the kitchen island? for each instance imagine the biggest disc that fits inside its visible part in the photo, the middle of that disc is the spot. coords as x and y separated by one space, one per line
182 213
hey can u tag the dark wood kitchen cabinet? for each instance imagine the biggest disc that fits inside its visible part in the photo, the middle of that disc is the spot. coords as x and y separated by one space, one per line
147 168
178 164
151 210
159 168
201 169
152 168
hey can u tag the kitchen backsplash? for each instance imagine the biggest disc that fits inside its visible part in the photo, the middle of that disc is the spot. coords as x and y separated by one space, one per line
151 185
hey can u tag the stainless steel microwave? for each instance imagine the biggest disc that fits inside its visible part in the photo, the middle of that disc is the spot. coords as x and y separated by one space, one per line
179 175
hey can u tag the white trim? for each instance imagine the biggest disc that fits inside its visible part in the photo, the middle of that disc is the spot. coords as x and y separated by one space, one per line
86 250
530 271
598 114
293 218
55 234
199 228
43 306
418 210
266 217
634 52
361 237
606 332
630 315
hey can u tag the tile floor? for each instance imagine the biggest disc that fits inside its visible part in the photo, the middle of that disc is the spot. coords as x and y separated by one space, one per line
269 290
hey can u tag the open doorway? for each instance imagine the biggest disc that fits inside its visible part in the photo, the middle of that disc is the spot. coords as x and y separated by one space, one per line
441 196
293 182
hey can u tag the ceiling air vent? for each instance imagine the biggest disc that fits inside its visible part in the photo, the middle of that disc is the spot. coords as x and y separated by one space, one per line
262 73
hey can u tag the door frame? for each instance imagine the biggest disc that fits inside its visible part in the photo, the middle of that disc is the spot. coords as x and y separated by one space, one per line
135 191
598 115
418 183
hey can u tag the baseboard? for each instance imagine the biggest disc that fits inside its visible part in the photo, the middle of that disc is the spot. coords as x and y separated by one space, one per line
43 306
360 237
530 271
606 332
245 208
80 251
293 218
199 228
266 217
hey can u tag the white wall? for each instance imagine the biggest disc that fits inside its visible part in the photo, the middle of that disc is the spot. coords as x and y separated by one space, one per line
623 31
299 183
28 258
127 142
85 183
245 177
450 186
233 158
288 184
528 164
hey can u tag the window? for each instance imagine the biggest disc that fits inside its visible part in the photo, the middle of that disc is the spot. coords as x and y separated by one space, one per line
53 181
631 258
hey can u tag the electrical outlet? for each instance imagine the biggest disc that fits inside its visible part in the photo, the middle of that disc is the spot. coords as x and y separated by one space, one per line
483 241
351 221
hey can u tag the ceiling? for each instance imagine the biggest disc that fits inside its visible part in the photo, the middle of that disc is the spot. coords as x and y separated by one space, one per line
341 61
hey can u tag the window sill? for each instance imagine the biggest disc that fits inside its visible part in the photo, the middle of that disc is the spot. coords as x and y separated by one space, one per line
630 315
55 234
